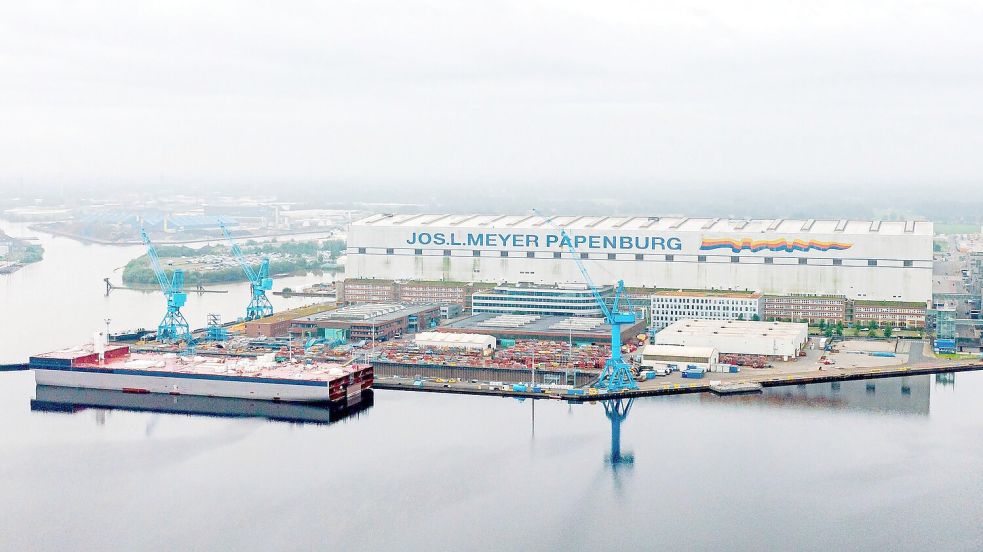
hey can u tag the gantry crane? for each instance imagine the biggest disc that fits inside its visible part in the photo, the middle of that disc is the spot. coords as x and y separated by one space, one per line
259 281
616 375
174 327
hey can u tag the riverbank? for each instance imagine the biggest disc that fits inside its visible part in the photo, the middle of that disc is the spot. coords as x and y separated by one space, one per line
16 253
41 227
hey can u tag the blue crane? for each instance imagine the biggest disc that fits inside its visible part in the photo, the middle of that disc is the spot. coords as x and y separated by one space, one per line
174 327
616 375
259 281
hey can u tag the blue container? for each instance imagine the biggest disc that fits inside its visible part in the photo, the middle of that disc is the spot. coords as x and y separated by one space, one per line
734 369
650 375
575 391
537 389
945 343
520 388
883 354
693 373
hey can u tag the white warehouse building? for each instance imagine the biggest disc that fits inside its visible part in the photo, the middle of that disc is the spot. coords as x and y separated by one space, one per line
862 260
771 339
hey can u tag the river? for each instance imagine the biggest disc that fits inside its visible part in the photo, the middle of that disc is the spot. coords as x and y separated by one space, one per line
890 464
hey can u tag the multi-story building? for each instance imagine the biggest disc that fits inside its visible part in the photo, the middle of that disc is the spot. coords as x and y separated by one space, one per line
556 300
441 293
669 306
354 291
811 308
889 313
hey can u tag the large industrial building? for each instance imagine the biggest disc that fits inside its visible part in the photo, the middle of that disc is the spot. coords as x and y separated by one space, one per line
860 260
770 339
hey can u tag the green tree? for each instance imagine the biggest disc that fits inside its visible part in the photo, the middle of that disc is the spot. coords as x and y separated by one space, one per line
872 326
839 329
755 318
888 331
828 331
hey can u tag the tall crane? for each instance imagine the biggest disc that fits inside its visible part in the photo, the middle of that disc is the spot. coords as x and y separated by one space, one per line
259 281
616 375
173 327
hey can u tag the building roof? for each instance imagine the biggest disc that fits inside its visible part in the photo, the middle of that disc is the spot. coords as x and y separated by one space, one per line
635 223
560 326
377 312
709 293
690 326
465 340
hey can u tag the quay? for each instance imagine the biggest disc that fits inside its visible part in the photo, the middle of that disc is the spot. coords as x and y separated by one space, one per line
675 385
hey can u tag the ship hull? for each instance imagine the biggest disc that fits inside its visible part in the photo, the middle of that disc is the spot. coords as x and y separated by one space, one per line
206 385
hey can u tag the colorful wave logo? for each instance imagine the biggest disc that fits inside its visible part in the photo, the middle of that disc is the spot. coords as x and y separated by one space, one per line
754 246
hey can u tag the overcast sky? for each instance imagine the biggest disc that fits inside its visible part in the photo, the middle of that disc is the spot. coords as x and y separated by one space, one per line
529 94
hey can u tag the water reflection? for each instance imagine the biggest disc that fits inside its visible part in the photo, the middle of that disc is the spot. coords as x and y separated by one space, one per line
617 411
945 379
904 395
70 400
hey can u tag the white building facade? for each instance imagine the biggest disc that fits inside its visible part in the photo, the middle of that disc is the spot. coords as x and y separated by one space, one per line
670 306
771 339
558 300
857 259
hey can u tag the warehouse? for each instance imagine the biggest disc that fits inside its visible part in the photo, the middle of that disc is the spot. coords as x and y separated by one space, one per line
770 339
455 340
677 357
863 260
378 321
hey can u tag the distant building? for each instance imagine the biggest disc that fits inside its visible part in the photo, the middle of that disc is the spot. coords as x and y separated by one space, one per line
889 313
555 300
810 308
354 291
859 259
671 306
576 329
771 339
380 321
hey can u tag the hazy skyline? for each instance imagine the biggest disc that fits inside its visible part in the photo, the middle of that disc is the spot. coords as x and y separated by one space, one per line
522 96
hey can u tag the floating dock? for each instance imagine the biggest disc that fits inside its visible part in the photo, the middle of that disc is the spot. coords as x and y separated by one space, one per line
116 368
71 400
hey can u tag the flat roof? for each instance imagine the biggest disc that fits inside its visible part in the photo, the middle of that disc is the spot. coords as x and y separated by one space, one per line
736 328
710 293
649 223
379 312
492 323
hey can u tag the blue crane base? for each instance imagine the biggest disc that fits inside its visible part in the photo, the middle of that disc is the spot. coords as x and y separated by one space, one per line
174 327
616 377
259 307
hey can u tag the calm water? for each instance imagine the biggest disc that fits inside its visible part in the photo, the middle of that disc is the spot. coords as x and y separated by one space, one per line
891 465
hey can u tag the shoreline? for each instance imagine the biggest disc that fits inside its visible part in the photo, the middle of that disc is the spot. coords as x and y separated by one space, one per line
87 239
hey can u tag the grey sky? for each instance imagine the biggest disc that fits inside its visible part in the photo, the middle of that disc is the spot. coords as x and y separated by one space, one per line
524 94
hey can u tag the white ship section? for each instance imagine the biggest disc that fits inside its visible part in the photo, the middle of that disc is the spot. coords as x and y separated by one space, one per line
188 384
866 260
